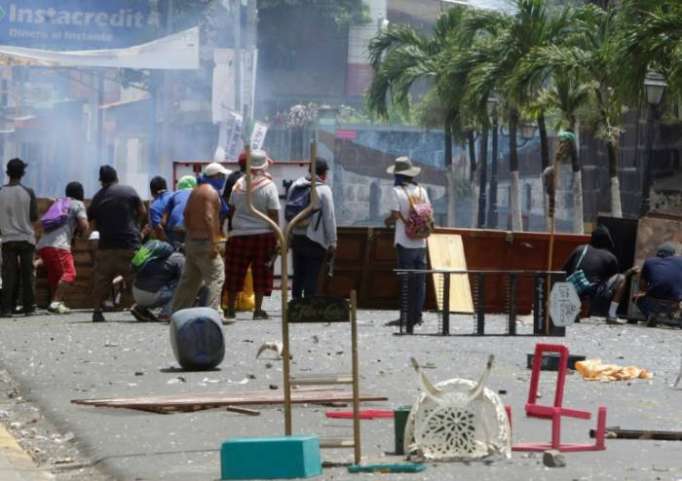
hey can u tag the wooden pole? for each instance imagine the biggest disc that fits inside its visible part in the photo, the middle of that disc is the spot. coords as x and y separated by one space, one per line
552 235
283 237
356 379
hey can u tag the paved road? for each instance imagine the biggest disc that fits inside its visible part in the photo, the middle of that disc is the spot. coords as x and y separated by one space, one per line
56 359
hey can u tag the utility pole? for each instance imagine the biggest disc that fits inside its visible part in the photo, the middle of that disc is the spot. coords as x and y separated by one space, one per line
237 59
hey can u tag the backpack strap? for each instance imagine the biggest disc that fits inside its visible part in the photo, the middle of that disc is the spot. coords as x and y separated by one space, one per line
582 256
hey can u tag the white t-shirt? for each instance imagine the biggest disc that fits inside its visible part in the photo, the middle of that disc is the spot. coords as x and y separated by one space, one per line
400 203
244 223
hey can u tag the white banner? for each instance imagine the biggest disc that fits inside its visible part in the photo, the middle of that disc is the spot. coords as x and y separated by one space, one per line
179 51
260 130
223 100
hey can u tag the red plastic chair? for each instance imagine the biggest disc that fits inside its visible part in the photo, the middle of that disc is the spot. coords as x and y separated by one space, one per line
557 411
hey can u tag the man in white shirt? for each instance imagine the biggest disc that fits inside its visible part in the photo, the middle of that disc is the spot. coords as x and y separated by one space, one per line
411 252
252 242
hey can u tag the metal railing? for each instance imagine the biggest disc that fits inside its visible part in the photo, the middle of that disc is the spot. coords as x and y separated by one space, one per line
442 279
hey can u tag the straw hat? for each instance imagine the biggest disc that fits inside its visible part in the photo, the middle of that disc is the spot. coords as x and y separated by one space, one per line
403 166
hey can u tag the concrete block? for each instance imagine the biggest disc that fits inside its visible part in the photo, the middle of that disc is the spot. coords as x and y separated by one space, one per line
271 458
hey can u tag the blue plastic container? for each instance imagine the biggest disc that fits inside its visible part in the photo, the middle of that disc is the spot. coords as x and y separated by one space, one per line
197 338
271 458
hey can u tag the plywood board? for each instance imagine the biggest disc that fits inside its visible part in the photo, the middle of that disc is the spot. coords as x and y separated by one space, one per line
446 251
195 402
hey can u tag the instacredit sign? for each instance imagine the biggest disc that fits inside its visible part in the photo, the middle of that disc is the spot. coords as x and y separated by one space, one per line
77 24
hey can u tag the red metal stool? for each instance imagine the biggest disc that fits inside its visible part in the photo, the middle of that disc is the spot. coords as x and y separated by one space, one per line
556 411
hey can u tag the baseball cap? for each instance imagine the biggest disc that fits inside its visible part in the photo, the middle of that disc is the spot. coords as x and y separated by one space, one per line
215 168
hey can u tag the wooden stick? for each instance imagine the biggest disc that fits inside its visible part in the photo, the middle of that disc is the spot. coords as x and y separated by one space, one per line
357 448
248 412
552 235
618 433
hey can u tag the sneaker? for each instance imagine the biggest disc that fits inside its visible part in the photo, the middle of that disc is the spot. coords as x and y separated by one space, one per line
97 316
227 321
28 311
58 308
260 315
395 323
614 321
142 314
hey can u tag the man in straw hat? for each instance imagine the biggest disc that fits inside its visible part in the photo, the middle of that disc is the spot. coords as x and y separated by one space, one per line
405 195
203 259
252 242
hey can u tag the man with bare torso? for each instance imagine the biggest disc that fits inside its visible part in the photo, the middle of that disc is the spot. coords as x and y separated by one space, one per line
203 259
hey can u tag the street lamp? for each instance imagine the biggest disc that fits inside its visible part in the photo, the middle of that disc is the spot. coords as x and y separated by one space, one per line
654 85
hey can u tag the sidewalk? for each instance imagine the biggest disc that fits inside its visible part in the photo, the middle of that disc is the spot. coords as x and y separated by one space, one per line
15 464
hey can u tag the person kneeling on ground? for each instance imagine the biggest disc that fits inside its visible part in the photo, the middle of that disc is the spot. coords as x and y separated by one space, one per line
252 241
600 267
158 269
661 284
54 247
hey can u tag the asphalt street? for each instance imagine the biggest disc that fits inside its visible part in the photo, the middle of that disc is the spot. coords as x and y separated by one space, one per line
49 360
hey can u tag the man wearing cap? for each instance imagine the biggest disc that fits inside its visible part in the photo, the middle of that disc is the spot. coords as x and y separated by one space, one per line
18 211
175 210
660 283
116 212
252 242
316 239
203 259
411 252
157 207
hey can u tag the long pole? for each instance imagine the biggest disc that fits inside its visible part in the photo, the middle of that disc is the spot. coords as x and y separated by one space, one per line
647 174
552 235
283 237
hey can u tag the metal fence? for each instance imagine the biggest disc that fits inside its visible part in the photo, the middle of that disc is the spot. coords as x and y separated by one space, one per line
442 281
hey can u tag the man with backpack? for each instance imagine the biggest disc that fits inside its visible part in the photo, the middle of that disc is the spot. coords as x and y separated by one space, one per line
412 216
252 242
175 210
116 212
158 268
64 218
18 211
593 270
314 238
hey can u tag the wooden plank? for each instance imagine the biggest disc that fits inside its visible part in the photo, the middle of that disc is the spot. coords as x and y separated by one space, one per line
446 251
617 433
194 402
652 232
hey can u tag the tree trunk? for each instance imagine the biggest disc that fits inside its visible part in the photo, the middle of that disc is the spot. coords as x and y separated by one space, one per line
449 174
616 206
492 203
483 179
515 201
545 160
471 141
578 213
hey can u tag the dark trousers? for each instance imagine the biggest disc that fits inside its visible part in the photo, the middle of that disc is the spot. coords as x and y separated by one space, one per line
413 286
308 258
17 269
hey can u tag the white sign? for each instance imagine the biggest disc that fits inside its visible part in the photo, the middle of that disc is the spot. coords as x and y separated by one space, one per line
564 304
179 51
260 130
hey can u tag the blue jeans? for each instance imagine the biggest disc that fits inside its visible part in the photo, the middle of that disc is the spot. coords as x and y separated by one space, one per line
413 286
163 298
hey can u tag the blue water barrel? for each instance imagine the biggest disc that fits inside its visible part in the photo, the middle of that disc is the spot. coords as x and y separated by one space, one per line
197 338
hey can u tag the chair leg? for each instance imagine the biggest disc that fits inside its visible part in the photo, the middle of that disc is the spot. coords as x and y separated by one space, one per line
556 430
601 429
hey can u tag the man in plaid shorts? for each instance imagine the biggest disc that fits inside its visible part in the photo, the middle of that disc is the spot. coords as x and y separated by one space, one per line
252 242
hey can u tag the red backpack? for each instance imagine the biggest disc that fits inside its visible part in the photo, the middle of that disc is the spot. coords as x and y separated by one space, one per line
419 222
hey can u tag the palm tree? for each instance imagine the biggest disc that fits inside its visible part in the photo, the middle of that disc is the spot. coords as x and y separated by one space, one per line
400 56
501 43
581 70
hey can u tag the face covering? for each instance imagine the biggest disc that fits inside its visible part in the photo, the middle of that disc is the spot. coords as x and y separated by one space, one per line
216 182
